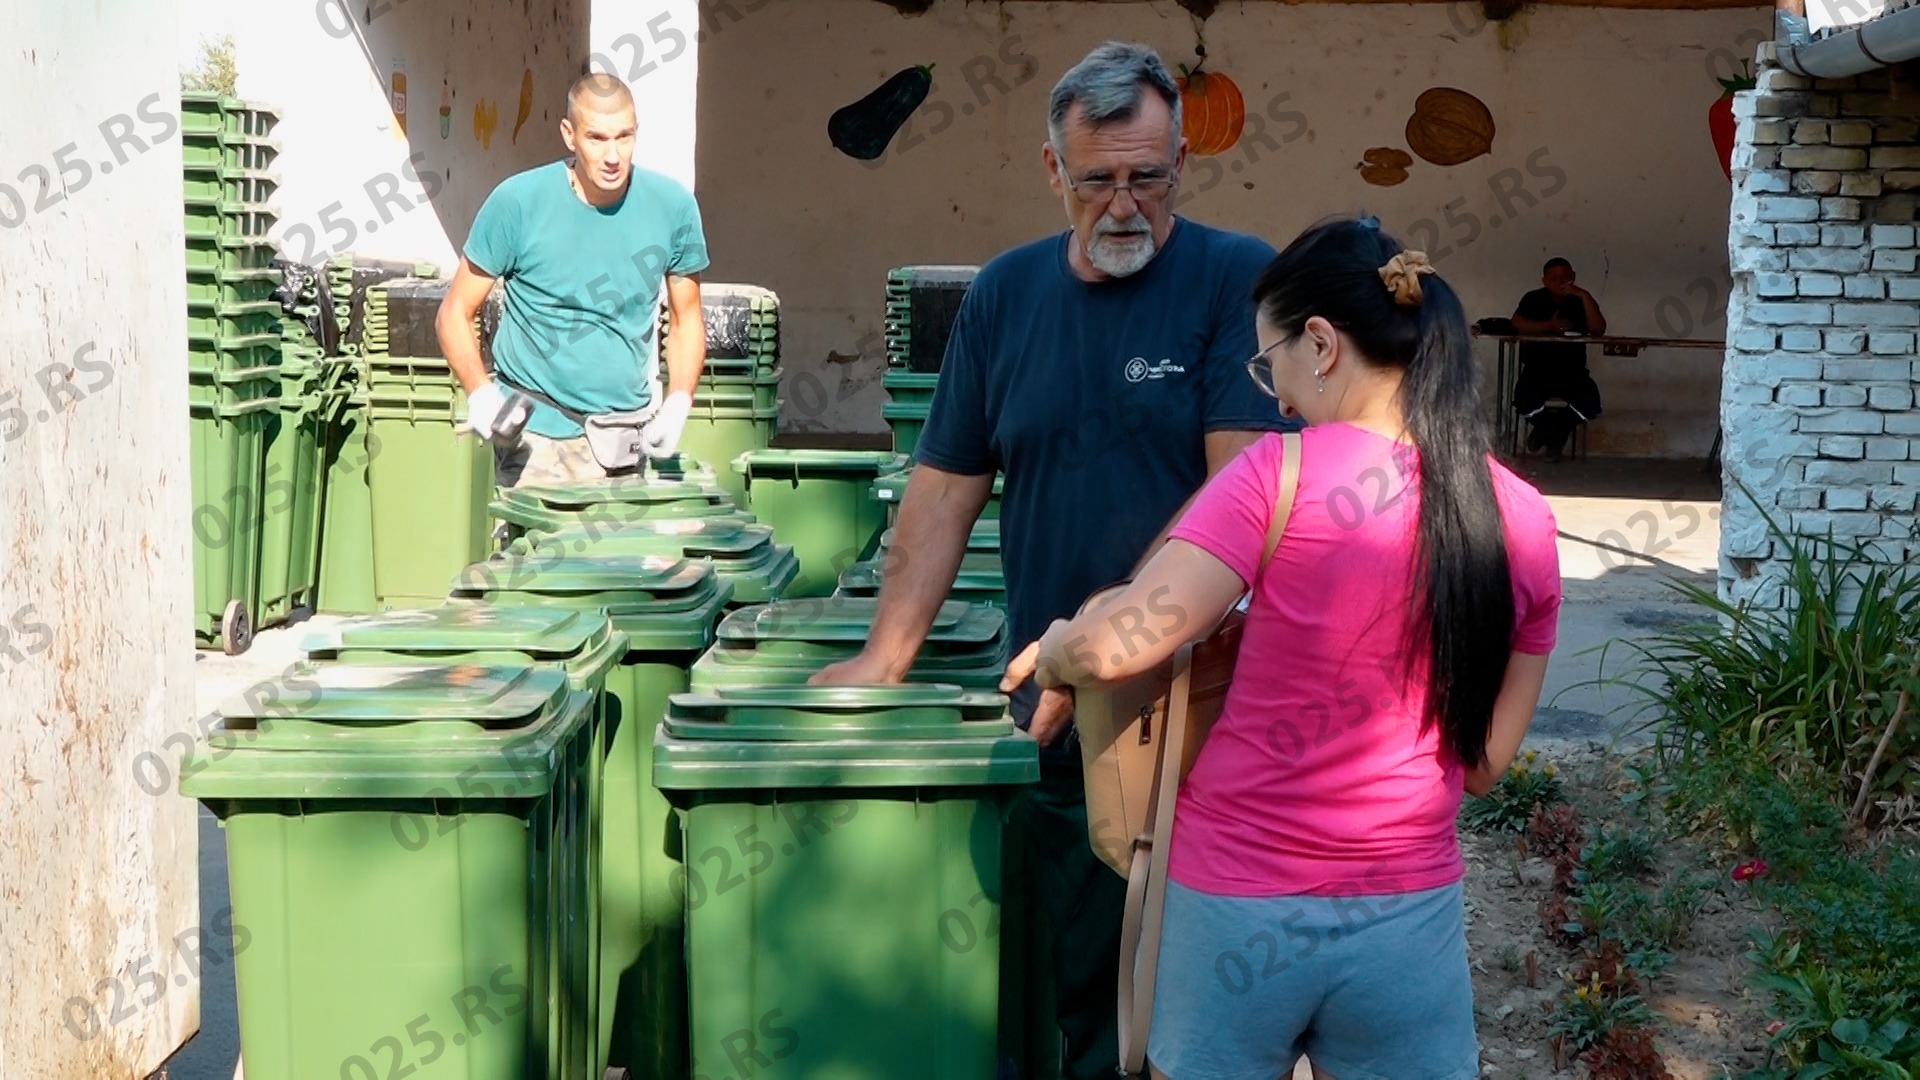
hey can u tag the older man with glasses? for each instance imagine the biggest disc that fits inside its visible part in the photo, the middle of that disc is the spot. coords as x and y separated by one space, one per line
1102 370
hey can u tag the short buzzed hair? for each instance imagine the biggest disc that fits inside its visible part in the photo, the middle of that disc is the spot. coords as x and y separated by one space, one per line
1108 85
607 90
1551 263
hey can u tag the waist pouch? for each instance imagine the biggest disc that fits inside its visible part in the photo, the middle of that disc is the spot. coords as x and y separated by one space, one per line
614 437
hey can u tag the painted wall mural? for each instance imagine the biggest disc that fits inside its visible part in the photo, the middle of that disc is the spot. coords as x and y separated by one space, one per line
486 119
863 129
1213 111
1385 166
526 103
1450 127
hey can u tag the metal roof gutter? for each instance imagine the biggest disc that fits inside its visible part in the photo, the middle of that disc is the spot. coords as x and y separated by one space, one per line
1878 43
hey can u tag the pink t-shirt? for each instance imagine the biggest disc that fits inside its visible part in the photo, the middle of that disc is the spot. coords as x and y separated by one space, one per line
1317 778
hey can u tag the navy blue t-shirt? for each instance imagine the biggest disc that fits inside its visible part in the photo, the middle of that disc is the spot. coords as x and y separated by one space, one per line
1094 399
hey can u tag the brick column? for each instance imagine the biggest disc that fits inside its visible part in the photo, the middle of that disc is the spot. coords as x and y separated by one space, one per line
1818 402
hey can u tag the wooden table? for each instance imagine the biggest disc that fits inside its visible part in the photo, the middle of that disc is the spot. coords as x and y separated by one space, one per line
1507 422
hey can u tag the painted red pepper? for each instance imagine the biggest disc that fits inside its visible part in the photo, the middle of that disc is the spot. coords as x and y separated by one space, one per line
1720 120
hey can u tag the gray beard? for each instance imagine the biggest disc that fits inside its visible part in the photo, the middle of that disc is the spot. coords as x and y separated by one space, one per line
1121 259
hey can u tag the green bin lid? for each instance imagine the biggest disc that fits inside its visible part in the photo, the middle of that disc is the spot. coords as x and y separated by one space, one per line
984 536
793 627
979 572
892 487
649 489
802 464
659 601
829 713
347 731
914 735
542 633
717 538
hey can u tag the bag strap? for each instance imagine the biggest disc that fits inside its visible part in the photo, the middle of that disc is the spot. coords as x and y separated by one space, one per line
578 418
1141 925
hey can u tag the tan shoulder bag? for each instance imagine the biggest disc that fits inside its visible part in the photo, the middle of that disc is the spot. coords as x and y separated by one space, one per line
1138 741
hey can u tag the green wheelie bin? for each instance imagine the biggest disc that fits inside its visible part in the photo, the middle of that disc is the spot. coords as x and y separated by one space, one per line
891 488
742 553
582 643
843 907
409 854
668 608
821 502
784 643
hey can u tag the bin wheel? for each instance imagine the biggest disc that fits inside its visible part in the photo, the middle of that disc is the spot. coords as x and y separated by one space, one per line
236 630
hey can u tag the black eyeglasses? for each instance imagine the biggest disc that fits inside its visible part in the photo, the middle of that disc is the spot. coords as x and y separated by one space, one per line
1098 190
1261 369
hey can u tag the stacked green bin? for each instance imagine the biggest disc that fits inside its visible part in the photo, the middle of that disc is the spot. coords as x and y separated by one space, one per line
846 910
534 510
979 580
583 643
294 485
742 554
233 359
725 423
984 536
668 609
227 444
431 480
409 850
821 502
890 488
784 643
346 537
736 407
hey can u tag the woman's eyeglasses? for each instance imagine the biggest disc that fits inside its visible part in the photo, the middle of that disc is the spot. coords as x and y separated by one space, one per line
1260 367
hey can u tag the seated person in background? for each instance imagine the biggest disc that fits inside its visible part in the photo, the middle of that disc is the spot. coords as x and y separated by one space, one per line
1556 371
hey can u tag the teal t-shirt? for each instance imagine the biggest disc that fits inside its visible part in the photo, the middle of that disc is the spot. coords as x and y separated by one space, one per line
583 286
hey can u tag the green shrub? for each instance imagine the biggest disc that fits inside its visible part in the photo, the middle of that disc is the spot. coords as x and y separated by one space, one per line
1510 804
1806 692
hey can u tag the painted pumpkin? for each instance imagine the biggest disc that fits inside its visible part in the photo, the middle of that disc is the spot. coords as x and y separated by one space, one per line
1213 112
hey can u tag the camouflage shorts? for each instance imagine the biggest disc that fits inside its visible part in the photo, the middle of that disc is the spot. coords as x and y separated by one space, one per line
540 460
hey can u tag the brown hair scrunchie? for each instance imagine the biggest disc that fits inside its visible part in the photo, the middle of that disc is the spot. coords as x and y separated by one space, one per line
1401 275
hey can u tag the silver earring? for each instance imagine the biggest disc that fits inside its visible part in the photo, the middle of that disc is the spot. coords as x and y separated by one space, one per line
1322 378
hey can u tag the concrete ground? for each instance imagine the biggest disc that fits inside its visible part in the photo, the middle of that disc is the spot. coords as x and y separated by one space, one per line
1628 531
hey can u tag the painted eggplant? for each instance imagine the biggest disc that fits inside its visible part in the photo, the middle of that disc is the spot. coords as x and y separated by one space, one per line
863 129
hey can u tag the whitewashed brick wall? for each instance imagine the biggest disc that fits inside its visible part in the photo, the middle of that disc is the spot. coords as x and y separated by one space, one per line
1818 405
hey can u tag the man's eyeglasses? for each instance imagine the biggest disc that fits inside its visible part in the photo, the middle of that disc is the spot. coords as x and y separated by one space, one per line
1260 367
1098 190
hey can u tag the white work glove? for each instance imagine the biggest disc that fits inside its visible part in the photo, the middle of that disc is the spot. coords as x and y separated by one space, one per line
661 437
483 409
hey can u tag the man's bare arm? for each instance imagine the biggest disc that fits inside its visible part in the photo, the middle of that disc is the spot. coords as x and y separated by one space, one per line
930 538
1596 322
1222 447
454 325
686 350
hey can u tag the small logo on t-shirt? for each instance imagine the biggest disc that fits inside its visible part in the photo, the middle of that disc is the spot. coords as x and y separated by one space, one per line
1138 370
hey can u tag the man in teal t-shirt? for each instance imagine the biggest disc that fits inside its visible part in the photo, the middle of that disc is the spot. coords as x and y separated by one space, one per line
584 247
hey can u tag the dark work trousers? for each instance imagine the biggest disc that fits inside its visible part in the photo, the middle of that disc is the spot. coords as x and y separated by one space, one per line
1083 901
1543 380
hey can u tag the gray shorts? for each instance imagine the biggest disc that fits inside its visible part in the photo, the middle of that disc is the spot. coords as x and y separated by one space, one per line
1368 988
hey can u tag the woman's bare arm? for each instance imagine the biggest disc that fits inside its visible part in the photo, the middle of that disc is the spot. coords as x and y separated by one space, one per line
1180 595
1512 714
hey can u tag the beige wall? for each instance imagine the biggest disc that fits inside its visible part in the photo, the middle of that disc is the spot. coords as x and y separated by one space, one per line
1601 119
329 68
99 907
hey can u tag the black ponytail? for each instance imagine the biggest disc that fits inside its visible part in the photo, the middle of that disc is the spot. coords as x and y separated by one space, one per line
1463 593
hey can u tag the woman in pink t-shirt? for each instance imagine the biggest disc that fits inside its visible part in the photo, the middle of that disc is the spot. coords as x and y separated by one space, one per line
1392 657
